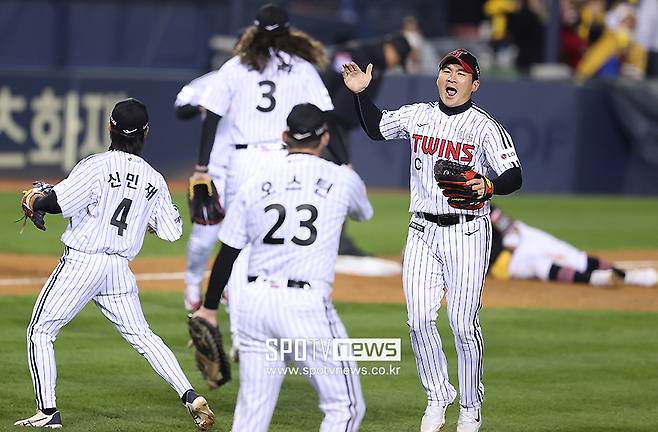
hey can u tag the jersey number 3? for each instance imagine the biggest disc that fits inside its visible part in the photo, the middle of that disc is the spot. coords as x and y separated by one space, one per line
121 214
308 224
269 95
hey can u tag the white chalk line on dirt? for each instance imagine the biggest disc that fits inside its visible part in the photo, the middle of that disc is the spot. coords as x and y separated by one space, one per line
359 266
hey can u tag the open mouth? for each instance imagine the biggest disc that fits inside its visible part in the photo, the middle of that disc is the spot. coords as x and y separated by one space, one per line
451 91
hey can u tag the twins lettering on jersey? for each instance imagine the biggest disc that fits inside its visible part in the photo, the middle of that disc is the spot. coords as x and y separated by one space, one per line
460 152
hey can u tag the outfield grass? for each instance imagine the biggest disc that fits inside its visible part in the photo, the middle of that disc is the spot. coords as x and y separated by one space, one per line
589 222
544 371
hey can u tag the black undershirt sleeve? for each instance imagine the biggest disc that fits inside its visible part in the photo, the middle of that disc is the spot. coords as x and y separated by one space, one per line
369 115
47 203
508 182
208 130
187 111
219 276
337 146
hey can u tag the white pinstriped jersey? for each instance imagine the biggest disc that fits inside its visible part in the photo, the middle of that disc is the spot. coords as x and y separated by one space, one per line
256 104
110 199
472 137
190 94
292 214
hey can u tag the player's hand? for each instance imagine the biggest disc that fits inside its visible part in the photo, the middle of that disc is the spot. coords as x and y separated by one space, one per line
209 315
481 185
201 175
355 79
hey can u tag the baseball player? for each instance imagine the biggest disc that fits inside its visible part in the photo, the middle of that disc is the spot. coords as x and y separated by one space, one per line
252 93
447 250
520 251
291 214
203 237
111 199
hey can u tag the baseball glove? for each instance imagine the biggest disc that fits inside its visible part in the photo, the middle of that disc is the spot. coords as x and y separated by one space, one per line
204 202
38 190
452 178
209 352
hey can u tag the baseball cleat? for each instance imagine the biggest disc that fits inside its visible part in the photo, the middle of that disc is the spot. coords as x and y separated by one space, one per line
642 277
602 278
52 421
433 419
470 420
201 413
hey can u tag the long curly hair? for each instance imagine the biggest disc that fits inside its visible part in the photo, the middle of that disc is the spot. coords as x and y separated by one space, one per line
253 48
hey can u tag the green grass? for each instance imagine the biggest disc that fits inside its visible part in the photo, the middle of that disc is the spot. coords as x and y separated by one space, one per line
589 222
544 371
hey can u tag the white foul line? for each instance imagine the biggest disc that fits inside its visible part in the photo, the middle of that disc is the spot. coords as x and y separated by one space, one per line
139 276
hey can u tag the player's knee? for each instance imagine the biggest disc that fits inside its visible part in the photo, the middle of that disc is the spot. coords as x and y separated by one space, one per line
421 324
465 330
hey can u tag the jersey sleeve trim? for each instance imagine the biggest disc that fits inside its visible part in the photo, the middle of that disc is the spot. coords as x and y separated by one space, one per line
506 140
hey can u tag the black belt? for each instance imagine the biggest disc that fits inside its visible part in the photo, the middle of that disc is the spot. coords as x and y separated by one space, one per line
291 283
445 219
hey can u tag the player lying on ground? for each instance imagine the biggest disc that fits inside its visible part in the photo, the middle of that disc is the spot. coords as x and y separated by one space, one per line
291 214
520 251
111 199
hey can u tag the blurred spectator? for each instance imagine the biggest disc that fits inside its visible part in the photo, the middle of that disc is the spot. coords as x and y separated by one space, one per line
526 31
385 54
616 51
517 23
423 58
498 12
646 33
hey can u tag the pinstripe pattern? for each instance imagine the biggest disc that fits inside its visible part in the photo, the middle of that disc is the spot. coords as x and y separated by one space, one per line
254 106
268 312
93 192
267 308
94 265
472 137
450 261
297 179
438 262
236 93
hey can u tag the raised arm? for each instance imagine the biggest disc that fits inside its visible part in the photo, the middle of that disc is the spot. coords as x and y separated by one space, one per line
369 115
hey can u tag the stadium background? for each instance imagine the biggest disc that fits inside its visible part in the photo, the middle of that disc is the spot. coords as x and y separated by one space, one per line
558 357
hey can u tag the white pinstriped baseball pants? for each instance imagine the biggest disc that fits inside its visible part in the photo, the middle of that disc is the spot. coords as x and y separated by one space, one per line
450 261
108 281
267 312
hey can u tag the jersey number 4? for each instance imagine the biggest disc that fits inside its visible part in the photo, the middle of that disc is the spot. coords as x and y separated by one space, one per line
308 224
121 214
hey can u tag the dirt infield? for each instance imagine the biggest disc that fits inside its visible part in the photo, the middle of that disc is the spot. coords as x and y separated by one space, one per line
29 272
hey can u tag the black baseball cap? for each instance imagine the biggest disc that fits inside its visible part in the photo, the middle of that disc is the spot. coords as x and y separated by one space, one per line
129 118
465 59
272 18
306 122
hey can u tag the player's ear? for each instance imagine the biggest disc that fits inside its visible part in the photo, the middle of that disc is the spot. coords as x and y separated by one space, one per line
146 131
475 86
324 139
284 136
